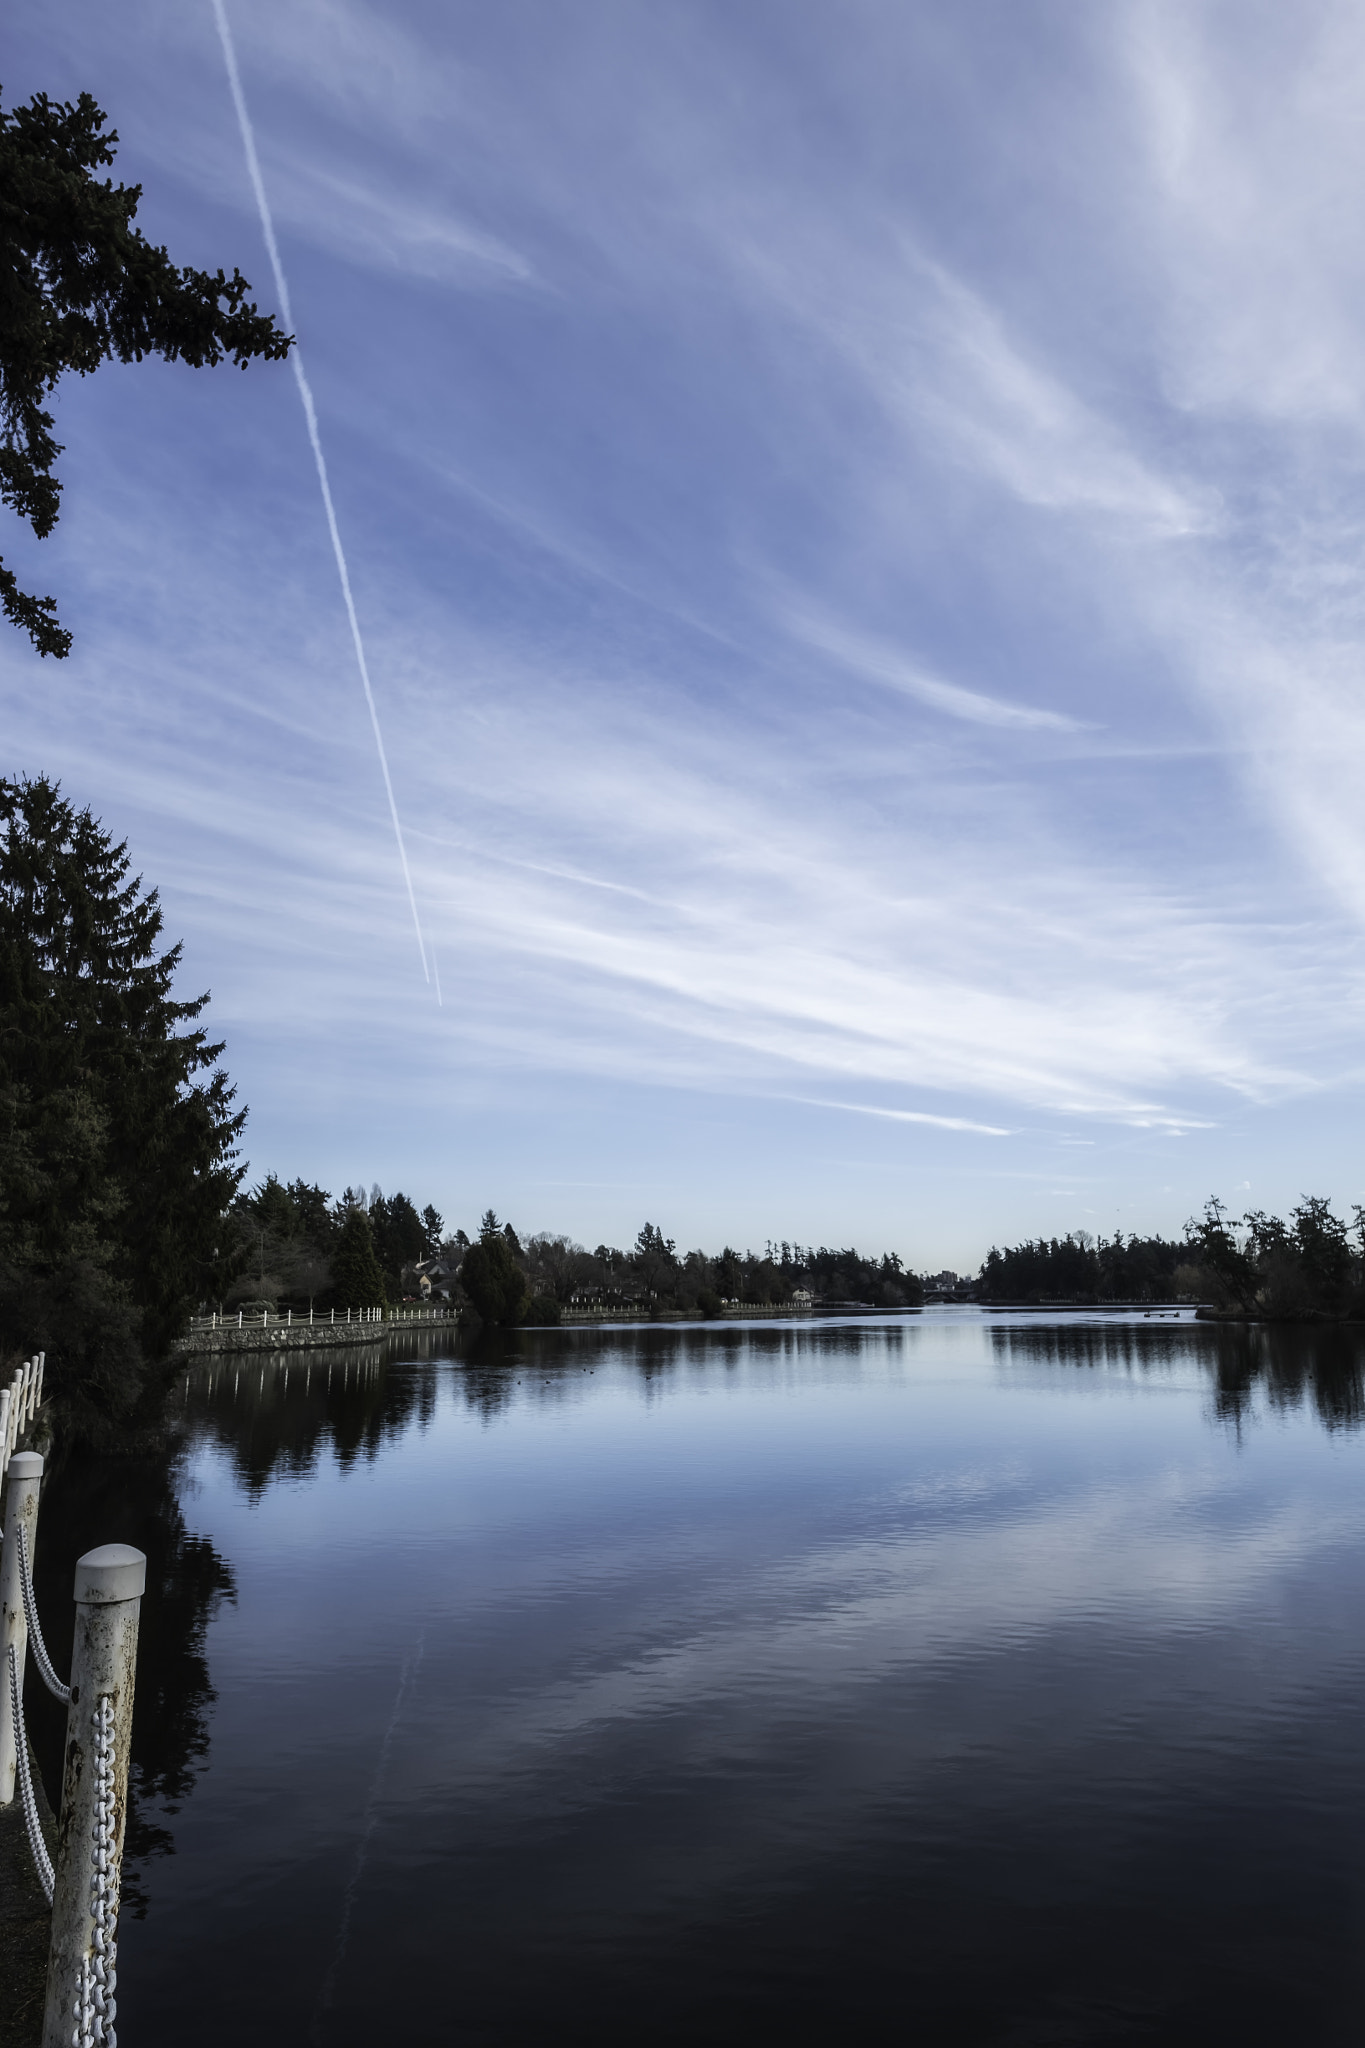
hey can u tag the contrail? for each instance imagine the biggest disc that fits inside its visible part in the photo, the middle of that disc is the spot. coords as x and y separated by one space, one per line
310 415
412 1664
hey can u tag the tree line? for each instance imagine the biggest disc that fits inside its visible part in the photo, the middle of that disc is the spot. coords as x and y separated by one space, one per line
1310 1268
122 1208
296 1246
1082 1268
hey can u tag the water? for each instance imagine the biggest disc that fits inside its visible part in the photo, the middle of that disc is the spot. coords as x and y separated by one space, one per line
984 1680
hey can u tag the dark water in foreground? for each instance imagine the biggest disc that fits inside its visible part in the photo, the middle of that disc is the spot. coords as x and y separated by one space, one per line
969 1680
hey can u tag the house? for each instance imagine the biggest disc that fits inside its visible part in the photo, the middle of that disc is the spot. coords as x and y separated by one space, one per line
435 1277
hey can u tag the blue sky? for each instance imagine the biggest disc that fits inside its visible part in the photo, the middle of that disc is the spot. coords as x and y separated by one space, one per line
856 515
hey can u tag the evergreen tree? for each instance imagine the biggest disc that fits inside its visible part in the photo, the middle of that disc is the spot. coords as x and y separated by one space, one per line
117 1134
494 1281
399 1239
357 1277
80 286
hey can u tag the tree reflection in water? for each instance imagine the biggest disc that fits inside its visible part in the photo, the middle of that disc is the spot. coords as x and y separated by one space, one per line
91 1498
275 1416
1290 1366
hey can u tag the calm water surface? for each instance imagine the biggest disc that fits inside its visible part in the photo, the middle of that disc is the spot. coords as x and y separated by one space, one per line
984 1680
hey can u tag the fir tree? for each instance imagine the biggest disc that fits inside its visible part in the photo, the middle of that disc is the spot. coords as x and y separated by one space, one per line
494 1281
117 1134
80 286
357 1278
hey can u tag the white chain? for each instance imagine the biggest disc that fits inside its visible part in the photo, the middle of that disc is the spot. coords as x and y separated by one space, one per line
35 1634
95 2005
42 1862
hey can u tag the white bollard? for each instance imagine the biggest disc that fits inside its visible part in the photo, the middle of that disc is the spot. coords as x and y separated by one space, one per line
21 1511
5 1399
109 1588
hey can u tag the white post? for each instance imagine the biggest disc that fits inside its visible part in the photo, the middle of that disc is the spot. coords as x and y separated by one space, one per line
5 1398
109 1587
21 1512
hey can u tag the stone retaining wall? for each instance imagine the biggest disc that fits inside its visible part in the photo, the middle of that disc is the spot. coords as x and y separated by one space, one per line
304 1336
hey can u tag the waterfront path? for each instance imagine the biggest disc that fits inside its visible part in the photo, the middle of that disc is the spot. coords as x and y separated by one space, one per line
288 1332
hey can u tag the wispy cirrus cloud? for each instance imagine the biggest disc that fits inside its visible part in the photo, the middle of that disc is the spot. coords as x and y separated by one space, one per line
868 657
862 578
913 1116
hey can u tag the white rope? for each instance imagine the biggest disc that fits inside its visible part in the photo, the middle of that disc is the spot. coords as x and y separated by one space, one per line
35 1634
95 2006
42 1862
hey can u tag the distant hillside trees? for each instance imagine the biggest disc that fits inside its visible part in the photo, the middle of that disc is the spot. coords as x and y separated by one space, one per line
1081 1268
1311 1268
652 1272
287 1236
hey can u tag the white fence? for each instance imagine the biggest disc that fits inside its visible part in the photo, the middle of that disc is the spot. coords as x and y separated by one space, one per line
271 1319
19 1403
81 1884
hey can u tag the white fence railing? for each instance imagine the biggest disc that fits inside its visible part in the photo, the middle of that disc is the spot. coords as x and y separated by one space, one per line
271 1319
19 1403
82 1885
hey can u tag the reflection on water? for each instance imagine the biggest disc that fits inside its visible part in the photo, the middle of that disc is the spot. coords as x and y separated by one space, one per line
995 1677
274 1416
90 1500
1288 1365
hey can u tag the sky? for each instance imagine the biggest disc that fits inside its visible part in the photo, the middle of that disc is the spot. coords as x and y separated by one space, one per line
855 516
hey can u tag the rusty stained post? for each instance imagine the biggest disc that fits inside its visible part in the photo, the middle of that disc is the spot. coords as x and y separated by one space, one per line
109 1588
21 1512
